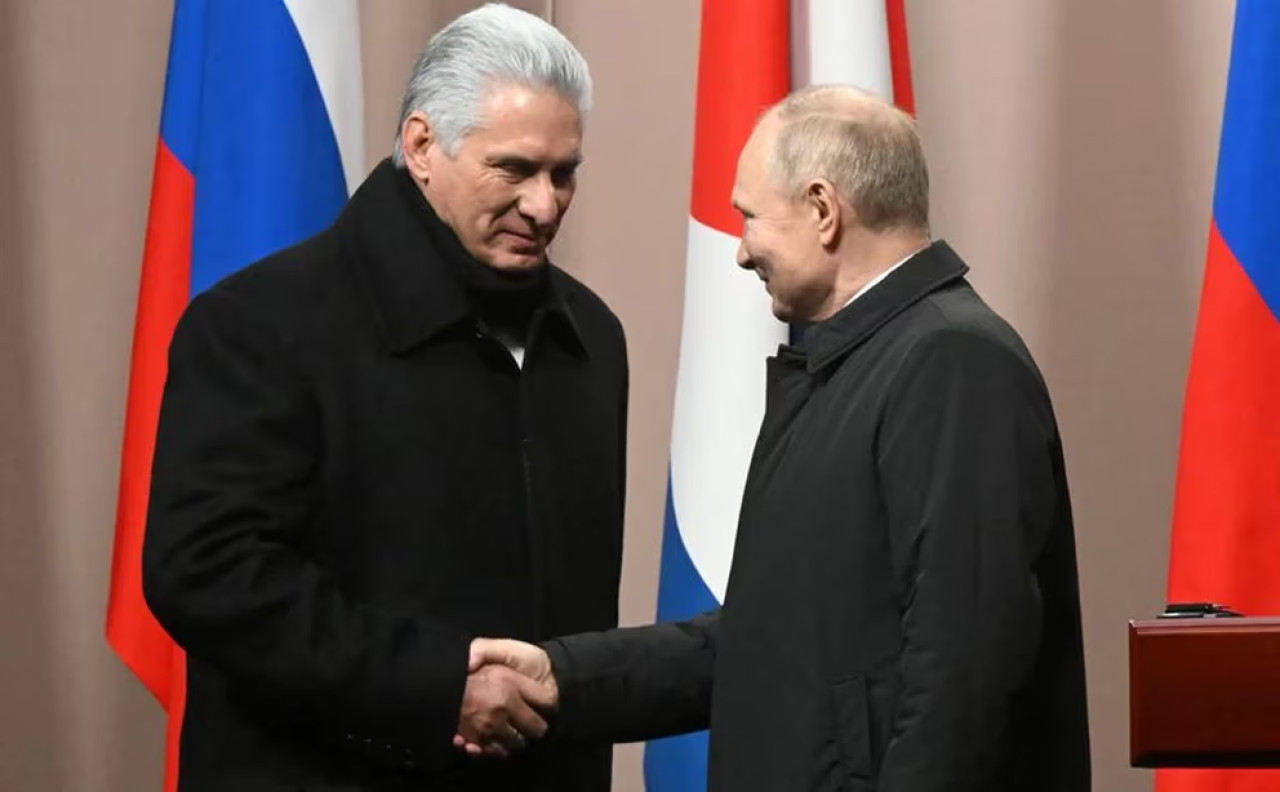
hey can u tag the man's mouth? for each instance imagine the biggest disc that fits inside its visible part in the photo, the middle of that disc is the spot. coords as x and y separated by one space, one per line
523 240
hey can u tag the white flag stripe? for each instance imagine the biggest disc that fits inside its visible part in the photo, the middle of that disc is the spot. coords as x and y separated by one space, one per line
330 32
728 332
847 41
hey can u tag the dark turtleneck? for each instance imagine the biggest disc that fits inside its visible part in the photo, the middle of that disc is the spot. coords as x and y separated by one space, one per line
503 299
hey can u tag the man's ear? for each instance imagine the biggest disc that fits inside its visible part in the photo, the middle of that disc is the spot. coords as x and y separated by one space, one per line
824 204
417 137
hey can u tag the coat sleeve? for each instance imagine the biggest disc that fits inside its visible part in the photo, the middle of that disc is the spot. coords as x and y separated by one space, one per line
968 478
635 683
225 571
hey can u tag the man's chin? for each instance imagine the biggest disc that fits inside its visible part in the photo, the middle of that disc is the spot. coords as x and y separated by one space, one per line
781 311
515 262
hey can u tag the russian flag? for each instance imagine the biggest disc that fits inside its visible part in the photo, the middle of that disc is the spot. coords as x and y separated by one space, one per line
260 144
1226 517
752 53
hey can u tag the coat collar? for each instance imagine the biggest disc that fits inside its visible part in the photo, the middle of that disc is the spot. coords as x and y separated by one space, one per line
927 271
414 294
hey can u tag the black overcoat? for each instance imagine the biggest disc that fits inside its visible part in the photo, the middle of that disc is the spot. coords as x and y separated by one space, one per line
902 612
352 478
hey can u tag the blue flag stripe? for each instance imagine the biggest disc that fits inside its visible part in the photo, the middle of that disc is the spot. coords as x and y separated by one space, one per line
267 167
678 763
1247 192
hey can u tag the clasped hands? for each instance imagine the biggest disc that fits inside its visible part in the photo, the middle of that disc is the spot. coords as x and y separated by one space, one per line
510 685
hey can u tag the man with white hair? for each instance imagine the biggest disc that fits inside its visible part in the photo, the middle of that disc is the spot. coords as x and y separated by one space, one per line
402 433
902 613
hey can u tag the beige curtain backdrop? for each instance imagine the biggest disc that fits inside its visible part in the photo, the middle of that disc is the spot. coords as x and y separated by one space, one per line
1072 143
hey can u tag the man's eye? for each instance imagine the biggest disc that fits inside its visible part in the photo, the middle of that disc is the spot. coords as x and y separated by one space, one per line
563 176
516 170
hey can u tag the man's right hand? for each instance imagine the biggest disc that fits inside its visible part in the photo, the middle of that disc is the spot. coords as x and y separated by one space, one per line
498 710
527 669
530 660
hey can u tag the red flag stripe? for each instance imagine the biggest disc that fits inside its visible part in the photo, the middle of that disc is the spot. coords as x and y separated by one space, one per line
166 275
904 95
1226 510
176 708
732 92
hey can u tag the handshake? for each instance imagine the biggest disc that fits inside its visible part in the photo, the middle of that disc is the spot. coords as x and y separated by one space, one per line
510 686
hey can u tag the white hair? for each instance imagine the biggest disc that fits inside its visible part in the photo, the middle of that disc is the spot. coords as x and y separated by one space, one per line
867 148
492 45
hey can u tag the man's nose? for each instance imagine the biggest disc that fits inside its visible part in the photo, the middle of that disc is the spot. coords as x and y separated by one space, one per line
744 258
538 201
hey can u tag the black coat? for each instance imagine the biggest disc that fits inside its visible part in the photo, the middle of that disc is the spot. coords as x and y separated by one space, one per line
352 479
902 612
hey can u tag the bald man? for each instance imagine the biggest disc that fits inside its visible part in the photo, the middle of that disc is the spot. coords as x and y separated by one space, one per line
902 613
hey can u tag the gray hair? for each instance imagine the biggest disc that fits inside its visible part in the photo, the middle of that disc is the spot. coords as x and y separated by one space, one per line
492 45
867 148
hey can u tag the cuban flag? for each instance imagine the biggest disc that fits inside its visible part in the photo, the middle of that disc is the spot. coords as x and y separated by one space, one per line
260 145
752 53
1226 514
